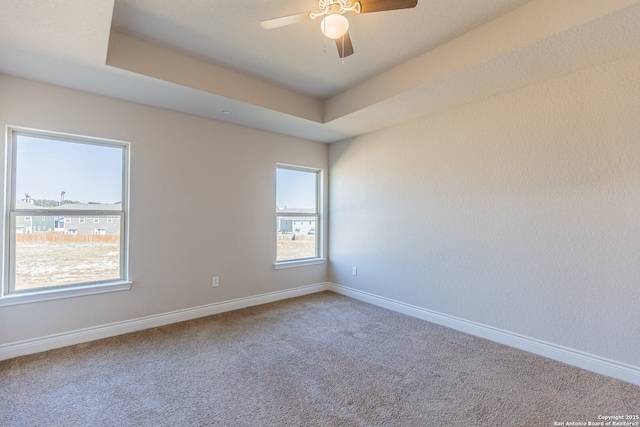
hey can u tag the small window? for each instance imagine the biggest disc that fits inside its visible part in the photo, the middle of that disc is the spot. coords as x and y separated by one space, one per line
297 213
96 219
66 177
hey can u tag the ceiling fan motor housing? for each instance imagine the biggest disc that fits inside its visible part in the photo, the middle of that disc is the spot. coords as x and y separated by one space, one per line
327 4
331 7
334 24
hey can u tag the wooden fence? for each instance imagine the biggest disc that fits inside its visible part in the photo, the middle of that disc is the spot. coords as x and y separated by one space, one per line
52 237
289 236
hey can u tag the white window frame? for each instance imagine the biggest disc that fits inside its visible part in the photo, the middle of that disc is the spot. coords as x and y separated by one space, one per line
318 258
7 294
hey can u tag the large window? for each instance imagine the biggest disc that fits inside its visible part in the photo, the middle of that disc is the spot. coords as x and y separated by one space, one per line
54 184
298 215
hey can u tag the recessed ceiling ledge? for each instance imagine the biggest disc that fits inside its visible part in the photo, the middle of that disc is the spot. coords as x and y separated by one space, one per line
137 56
522 27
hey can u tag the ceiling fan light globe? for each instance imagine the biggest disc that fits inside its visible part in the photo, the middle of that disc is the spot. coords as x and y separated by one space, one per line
334 26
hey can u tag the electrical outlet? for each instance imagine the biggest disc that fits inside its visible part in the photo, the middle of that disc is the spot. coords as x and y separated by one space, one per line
354 271
215 282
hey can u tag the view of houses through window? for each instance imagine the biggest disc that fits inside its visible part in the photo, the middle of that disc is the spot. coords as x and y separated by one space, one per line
66 220
297 210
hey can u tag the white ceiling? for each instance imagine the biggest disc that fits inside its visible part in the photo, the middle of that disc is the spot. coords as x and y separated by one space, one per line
206 56
226 32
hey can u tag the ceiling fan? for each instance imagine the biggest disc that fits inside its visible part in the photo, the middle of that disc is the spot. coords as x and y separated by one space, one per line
335 25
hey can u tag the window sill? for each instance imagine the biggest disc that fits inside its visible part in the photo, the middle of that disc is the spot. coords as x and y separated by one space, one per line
298 263
60 293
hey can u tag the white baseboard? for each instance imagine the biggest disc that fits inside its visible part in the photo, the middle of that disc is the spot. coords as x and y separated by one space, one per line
570 356
21 348
566 355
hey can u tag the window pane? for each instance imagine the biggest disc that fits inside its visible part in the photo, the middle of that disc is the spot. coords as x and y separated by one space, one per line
65 251
58 185
296 190
297 213
51 172
296 238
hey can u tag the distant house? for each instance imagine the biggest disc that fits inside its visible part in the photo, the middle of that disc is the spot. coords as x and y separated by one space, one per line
89 224
34 223
31 224
296 225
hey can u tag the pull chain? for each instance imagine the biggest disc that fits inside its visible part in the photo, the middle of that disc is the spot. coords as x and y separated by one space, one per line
324 39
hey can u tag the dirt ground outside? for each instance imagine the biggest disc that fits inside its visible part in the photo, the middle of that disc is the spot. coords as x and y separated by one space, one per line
45 264
302 247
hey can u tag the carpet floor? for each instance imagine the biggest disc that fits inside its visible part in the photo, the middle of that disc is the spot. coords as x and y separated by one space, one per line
318 360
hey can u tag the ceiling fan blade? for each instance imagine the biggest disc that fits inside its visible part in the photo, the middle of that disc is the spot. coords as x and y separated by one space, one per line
345 48
368 6
285 20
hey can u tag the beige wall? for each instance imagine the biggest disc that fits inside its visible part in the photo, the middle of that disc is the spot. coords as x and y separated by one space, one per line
520 212
202 204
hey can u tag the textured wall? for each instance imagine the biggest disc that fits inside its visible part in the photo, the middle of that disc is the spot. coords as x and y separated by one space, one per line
202 204
520 212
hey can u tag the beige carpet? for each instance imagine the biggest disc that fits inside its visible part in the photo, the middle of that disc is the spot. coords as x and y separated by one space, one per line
319 360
